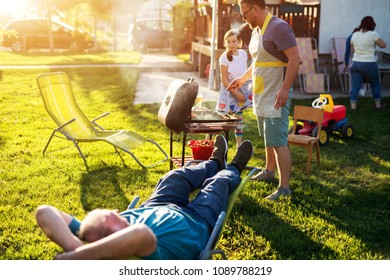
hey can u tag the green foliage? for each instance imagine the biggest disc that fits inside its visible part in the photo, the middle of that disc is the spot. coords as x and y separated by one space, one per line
8 33
340 211
182 27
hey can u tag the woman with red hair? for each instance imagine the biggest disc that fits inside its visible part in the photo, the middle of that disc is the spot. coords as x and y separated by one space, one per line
364 66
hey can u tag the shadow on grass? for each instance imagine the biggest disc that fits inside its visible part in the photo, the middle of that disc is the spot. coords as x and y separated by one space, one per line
104 188
360 211
287 241
355 194
349 191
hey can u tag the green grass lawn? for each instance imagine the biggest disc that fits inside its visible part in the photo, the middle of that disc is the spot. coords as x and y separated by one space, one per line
39 58
340 211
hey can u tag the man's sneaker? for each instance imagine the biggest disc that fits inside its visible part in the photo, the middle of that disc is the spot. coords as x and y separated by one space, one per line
278 193
220 151
264 175
243 155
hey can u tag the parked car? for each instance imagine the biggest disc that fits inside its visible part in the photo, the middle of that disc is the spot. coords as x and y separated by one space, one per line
34 34
150 33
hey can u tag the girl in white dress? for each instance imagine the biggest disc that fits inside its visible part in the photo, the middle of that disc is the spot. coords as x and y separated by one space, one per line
233 63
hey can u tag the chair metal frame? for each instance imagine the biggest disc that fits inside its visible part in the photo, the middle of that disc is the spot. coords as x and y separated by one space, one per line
338 51
383 62
211 247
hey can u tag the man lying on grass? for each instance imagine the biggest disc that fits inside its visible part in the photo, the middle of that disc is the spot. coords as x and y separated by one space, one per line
166 226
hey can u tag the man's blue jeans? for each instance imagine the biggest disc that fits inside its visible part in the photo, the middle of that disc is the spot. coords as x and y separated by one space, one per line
367 72
215 187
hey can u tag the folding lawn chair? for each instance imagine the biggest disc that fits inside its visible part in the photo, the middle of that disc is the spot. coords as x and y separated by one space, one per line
61 105
338 50
311 79
383 60
210 249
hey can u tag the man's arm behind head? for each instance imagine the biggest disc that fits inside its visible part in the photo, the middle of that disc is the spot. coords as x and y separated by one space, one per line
55 225
133 241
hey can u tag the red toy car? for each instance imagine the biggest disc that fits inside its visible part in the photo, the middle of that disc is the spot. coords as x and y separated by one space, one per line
335 120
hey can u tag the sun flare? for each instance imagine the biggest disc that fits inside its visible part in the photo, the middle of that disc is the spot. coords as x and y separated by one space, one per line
14 8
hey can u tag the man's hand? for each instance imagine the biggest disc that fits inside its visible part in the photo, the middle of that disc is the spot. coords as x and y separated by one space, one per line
281 98
236 83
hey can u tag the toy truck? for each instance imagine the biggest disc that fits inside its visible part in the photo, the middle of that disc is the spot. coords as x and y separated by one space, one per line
335 120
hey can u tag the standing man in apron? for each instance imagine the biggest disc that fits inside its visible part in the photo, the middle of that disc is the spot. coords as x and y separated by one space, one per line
275 65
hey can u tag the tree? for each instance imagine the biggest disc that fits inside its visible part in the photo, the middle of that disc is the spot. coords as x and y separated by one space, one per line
111 11
182 27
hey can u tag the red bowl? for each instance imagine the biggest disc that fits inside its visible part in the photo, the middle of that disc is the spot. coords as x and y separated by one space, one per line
201 149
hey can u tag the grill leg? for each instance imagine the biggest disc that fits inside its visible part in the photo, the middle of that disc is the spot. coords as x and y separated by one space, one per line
170 149
183 149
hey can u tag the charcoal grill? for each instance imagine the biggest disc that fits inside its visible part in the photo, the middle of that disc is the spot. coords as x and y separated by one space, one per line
178 115
206 122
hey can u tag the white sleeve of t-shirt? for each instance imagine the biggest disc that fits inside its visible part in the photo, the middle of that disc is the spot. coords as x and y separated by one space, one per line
223 60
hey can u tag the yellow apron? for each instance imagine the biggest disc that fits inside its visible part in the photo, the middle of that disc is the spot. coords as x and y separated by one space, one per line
267 75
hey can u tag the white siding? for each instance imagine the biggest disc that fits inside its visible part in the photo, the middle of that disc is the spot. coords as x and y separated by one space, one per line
340 17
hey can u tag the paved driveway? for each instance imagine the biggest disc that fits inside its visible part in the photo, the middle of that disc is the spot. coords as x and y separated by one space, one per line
158 71
152 86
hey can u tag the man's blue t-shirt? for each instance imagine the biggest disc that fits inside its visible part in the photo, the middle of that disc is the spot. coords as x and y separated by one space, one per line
178 235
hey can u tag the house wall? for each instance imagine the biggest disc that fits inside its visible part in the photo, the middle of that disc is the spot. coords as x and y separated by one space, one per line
340 17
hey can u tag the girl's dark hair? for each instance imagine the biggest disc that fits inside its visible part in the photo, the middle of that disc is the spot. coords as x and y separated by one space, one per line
367 23
228 34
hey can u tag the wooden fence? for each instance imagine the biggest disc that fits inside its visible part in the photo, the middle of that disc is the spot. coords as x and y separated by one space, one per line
304 19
